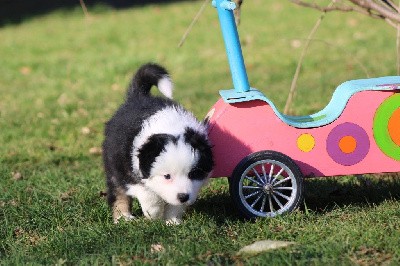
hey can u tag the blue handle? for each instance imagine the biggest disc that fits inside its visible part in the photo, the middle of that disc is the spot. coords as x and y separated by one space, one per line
232 44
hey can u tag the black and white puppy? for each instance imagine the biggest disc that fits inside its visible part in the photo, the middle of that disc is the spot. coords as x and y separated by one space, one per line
154 150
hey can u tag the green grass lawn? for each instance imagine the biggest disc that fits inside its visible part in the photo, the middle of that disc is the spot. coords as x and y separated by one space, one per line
63 75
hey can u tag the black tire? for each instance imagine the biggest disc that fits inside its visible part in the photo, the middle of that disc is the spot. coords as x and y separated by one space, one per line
258 193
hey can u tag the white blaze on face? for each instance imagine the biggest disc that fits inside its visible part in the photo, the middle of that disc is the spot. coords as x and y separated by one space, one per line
171 120
177 161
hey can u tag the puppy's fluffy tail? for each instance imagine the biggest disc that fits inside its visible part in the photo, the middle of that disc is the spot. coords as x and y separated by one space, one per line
147 76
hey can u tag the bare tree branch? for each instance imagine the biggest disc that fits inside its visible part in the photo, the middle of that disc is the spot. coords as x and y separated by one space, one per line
389 3
380 9
385 12
324 8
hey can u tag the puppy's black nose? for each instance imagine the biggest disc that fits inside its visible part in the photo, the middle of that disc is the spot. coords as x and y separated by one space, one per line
183 197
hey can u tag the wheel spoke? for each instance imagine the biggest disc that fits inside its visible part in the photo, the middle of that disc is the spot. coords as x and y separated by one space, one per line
271 207
263 204
254 181
277 201
283 188
280 194
258 176
281 181
252 194
257 200
252 187
264 173
271 172
279 173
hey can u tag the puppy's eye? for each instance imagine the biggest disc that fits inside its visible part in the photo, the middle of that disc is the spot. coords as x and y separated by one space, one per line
167 176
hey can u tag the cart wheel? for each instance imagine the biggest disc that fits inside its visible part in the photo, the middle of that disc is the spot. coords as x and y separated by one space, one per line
266 184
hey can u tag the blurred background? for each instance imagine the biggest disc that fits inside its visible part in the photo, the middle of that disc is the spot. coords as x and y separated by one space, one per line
14 11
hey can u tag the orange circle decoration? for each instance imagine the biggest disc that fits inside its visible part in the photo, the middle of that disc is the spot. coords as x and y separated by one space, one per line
306 142
348 144
394 127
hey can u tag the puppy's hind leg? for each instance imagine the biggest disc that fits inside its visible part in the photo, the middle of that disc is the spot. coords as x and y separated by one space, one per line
173 214
121 205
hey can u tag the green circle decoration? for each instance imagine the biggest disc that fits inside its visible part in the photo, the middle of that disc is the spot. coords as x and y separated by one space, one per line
381 130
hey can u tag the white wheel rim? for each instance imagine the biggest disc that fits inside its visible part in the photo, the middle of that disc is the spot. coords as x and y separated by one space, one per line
267 188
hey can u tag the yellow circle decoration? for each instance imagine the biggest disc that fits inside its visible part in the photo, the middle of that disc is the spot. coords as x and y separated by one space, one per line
306 142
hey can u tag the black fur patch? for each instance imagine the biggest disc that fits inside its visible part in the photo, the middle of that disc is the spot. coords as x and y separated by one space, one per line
148 153
205 162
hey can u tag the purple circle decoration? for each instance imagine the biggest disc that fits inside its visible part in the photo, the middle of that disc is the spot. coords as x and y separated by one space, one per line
344 130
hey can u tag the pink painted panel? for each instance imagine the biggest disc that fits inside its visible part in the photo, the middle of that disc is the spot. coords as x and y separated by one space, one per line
237 130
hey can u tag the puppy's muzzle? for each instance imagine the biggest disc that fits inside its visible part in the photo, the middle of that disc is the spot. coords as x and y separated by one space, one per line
183 197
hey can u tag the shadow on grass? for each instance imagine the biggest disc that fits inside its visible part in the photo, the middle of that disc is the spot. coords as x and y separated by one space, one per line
16 11
322 195
218 207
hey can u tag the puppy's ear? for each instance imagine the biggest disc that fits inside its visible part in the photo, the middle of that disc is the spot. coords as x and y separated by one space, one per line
205 163
150 150
196 140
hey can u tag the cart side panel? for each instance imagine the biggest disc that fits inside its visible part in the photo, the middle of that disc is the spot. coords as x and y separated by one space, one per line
237 130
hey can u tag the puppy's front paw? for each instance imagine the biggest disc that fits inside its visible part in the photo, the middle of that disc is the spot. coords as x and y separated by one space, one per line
124 217
173 221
